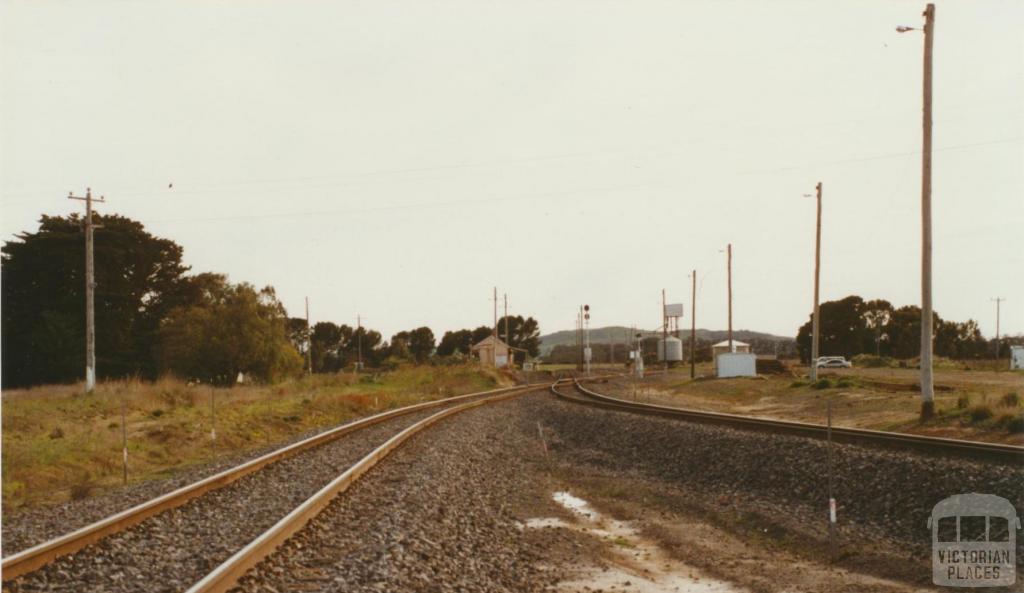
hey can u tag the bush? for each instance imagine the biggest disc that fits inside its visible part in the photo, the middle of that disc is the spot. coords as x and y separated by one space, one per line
846 382
798 383
1013 423
871 361
823 383
1010 400
979 414
962 402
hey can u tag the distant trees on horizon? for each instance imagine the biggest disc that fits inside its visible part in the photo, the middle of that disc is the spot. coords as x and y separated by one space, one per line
154 318
852 326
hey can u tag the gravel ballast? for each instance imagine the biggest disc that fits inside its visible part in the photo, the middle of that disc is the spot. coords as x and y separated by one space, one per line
439 514
173 550
881 493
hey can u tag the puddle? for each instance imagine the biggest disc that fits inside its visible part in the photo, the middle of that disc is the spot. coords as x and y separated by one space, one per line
637 565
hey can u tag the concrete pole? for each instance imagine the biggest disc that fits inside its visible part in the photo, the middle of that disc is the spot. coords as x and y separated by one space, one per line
927 381
90 293
815 323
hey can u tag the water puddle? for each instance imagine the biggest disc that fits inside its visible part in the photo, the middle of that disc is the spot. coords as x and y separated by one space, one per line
638 565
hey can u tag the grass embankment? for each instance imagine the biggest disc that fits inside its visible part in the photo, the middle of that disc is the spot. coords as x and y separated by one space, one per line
59 443
970 404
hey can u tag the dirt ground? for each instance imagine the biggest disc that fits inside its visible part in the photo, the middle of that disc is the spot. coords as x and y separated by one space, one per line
609 535
975 405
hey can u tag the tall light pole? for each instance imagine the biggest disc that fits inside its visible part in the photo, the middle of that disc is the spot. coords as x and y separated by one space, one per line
815 321
927 378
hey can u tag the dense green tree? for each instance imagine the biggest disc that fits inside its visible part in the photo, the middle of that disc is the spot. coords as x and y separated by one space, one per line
417 344
851 326
139 279
233 329
480 334
843 329
523 334
366 340
453 342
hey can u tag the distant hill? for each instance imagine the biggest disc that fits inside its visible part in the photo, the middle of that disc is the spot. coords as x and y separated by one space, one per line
619 334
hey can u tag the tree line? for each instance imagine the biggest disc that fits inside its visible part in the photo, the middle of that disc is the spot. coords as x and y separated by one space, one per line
334 347
853 326
154 318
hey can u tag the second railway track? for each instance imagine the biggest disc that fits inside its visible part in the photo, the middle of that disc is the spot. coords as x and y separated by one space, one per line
170 543
1009 454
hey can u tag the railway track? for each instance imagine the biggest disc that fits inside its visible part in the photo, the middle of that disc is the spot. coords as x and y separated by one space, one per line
233 518
1000 453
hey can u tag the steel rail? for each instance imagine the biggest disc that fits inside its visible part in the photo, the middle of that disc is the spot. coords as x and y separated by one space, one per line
40 555
1008 454
226 576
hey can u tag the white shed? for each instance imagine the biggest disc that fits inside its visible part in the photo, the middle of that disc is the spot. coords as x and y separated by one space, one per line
1017 357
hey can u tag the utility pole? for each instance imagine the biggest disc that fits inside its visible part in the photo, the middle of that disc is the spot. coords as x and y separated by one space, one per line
359 343
507 340
729 249
927 385
664 331
587 355
816 324
495 331
693 328
309 343
90 292
998 301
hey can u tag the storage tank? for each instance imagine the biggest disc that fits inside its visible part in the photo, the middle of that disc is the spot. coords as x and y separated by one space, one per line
674 347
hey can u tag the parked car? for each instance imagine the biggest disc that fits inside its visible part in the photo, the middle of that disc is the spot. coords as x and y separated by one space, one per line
833 362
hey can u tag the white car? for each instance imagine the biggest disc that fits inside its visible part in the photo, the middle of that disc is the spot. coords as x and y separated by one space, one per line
833 362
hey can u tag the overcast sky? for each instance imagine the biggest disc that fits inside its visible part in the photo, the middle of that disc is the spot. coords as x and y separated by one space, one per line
399 158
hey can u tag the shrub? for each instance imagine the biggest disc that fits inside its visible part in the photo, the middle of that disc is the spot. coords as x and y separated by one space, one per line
1010 400
962 402
846 382
82 487
798 383
979 414
1014 423
823 383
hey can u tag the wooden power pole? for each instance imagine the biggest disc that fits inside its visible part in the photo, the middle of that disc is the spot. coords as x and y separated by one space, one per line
664 330
90 292
815 321
998 301
693 328
309 343
927 383
730 296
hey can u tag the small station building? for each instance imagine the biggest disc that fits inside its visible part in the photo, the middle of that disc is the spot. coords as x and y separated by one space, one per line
491 351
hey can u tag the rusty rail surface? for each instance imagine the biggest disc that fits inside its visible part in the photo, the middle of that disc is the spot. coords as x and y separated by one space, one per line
226 576
1007 454
46 552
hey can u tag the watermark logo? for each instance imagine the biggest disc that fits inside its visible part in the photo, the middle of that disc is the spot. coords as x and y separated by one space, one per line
973 541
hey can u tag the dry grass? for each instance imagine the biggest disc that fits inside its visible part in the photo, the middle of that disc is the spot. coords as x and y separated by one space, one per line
59 443
980 405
